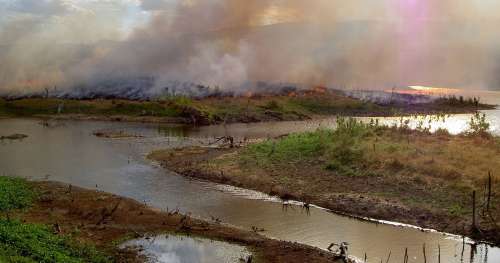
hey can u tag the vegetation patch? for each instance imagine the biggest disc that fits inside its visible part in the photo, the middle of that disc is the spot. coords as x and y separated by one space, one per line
23 242
341 149
16 194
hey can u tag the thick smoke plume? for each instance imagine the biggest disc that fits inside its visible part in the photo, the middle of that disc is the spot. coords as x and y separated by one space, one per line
75 47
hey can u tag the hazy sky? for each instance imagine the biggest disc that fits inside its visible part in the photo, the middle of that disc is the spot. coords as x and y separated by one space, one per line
356 43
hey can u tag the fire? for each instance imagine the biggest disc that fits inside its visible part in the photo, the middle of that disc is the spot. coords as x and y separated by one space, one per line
433 90
316 90
248 94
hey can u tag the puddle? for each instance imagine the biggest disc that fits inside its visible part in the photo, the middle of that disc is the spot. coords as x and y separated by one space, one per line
182 249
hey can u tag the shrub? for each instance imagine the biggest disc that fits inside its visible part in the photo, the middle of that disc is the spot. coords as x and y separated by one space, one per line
442 132
478 125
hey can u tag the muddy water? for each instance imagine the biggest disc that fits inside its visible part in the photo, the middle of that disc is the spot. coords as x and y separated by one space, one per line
70 153
181 249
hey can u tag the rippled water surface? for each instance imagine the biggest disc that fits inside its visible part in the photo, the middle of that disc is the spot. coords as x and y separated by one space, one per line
68 152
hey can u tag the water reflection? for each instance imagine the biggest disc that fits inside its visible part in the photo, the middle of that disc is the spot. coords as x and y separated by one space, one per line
180 249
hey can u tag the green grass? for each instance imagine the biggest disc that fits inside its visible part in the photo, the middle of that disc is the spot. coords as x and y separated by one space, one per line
341 149
30 107
23 242
293 147
16 193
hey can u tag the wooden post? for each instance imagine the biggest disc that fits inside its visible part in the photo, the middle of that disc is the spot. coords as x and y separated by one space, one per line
463 249
485 196
439 252
365 257
489 193
474 226
425 256
406 255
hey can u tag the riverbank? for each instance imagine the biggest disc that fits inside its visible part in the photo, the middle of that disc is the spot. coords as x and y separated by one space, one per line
217 110
364 170
80 225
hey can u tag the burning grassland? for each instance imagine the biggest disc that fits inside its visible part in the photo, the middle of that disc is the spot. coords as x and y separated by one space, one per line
359 169
286 103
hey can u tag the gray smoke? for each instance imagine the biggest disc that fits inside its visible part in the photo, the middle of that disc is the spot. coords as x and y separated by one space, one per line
82 48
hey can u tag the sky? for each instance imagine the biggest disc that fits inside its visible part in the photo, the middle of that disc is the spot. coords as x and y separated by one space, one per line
357 43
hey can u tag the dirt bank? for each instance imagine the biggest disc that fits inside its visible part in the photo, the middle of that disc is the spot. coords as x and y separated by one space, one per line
408 197
104 220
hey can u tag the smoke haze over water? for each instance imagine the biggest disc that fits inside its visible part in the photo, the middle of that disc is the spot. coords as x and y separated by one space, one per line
228 43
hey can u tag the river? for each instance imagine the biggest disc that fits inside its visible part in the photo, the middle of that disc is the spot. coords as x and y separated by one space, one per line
68 152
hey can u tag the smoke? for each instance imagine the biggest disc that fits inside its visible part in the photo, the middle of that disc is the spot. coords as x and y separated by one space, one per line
80 46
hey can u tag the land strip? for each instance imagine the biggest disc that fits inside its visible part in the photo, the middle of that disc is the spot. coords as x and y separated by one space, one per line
226 109
364 170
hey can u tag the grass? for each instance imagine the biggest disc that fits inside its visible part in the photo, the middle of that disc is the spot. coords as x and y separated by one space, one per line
37 106
341 149
16 194
23 242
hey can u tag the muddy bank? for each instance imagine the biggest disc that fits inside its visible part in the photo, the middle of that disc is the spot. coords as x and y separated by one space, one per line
106 220
108 134
311 183
16 136
114 118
